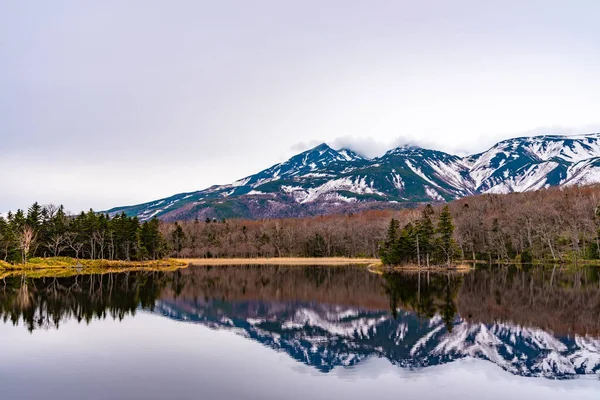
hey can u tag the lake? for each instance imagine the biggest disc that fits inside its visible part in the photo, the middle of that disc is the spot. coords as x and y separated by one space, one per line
274 332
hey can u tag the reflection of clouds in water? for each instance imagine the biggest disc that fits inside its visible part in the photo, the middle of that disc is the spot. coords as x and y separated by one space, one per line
203 357
469 376
371 368
306 317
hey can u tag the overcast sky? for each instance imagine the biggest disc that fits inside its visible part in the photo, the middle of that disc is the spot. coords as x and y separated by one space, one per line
109 103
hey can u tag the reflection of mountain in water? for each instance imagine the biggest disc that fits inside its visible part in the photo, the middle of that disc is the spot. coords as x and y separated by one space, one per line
330 317
330 336
275 308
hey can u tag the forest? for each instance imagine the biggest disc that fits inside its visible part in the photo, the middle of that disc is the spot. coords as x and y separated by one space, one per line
556 225
49 231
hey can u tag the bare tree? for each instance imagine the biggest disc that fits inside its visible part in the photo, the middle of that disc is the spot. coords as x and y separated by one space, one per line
26 240
56 243
74 243
100 239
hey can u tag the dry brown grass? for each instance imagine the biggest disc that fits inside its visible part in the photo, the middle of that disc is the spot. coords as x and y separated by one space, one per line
279 261
461 268
56 272
65 266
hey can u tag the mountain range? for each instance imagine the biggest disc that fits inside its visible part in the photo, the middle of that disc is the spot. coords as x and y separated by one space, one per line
323 180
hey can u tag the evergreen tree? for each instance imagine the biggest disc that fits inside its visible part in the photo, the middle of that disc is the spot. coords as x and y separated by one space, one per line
150 240
445 229
18 220
405 247
386 250
34 215
7 240
425 232
178 239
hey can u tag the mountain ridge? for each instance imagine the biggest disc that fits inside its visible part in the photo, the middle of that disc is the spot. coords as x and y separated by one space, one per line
322 180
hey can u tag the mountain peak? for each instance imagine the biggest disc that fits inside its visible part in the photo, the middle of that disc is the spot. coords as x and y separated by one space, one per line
322 146
323 180
572 148
404 148
351 155
318 148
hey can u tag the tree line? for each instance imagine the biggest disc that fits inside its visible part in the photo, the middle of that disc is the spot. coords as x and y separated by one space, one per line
556 224
48 231
352 235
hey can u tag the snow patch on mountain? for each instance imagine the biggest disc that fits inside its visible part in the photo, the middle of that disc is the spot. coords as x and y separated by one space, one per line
583 173
452 174
358 185
306 317
533 177
431 192
418 171
403 174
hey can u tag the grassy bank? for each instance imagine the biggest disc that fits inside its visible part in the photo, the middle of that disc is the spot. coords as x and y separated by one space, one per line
416 268
280 261
66 266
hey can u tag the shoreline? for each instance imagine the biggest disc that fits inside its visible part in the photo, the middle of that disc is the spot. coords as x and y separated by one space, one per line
65 266
410 268
333 261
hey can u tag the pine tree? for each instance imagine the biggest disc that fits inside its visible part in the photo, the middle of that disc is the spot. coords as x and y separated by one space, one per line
425 232
445 229
18 220
150 239
405 248
386 248
6 239
178 239
34 215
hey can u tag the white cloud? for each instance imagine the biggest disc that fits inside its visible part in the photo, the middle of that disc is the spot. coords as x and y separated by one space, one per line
371 147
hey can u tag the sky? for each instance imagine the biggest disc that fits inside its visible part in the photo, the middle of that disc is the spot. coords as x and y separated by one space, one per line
116 102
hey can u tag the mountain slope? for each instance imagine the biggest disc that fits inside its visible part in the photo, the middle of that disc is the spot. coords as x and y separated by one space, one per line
322 180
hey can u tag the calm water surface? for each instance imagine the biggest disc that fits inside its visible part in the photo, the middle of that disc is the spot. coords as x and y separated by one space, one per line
268 332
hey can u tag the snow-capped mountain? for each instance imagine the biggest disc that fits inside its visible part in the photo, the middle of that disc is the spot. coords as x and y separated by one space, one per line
523 164
330 336
323 180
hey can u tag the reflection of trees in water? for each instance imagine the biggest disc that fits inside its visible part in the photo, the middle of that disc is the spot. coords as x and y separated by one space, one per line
45 302
563 300
348 286
424 293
